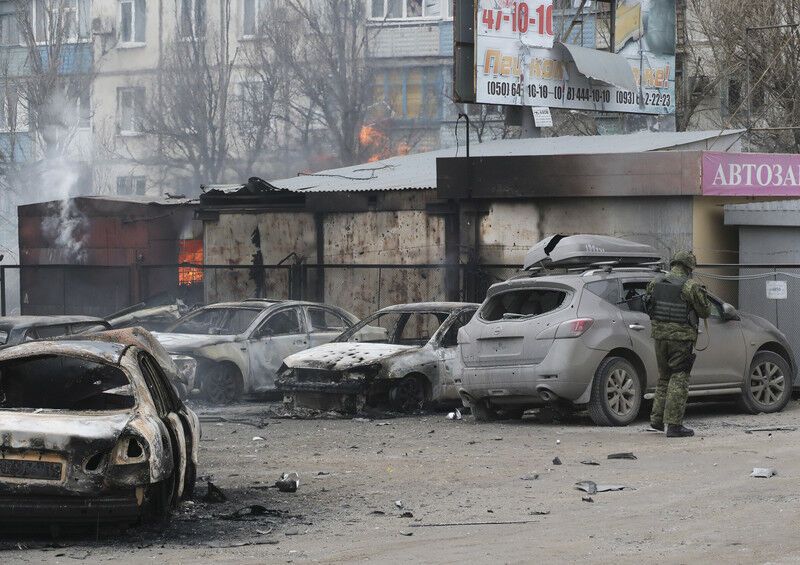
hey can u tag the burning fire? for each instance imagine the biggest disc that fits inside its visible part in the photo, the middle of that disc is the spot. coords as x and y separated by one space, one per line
378 145
190 251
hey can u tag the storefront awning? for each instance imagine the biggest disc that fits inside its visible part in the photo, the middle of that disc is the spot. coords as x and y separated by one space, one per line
606 67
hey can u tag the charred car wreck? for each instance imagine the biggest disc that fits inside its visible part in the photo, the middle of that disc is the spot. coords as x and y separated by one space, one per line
91 431
400 357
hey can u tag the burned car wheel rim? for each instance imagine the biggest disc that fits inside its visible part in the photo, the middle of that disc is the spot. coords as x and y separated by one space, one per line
767 383
620 392
407 395
221 387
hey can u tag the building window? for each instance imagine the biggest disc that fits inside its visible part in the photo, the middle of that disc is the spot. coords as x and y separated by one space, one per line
13 111
84 112
192 18
9 29
69 18
130 106
410 94
132 21
252 14
408 9
131 185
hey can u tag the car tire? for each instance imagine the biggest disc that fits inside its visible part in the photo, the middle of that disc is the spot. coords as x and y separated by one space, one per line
221 385
482 412
616 393
408 394
161 498
774 375
190 479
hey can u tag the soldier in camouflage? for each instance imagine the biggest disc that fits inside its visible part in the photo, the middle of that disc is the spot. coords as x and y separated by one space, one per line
675 303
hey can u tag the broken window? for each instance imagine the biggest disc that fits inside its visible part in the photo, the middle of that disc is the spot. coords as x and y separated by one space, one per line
216 321
46 332
60 21
285 322
632 293
408 328
3 337
450 339
522 303
326 321
252 15
133 18
63 383
607 289
130 106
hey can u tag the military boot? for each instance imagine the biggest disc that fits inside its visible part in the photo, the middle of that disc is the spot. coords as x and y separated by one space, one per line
679 430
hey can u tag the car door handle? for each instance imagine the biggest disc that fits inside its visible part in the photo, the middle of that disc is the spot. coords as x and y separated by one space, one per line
636 327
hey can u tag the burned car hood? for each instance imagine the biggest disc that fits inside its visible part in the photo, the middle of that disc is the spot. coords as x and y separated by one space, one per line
55 430
186 343
343 356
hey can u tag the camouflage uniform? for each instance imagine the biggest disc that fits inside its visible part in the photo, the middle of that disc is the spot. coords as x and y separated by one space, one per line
674 345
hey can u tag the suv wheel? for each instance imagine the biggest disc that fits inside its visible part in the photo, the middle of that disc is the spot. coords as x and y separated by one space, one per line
768 386
616 393
408 394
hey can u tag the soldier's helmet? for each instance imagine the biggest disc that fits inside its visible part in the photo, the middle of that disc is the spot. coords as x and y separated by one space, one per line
685 258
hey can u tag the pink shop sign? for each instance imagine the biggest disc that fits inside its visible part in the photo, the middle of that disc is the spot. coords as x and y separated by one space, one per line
751 174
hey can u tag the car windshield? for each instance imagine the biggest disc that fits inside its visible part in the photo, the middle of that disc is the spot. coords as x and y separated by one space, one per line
396 327
217 321
63 383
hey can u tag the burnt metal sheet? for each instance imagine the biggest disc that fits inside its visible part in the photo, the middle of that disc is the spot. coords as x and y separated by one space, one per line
606 67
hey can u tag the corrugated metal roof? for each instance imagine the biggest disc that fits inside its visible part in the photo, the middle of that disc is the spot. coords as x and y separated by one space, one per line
772 213
140 199
418 171
772 206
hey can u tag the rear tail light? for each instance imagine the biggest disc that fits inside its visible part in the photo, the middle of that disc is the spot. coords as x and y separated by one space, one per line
574 328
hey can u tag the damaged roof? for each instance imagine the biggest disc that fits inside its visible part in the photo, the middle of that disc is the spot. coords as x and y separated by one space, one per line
418 171
108 352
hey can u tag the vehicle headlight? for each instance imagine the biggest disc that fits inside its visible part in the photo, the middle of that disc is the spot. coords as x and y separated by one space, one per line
187 366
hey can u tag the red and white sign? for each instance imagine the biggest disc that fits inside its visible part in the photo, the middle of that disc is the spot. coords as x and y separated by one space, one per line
529 22
751 174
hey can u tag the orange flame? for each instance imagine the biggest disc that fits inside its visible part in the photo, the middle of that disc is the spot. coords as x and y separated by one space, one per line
190 251
378 144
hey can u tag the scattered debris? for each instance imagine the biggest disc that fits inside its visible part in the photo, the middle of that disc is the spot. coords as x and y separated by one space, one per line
556 461
221 545
405 533
206 418
364 420
775 429
558 442
378 513
587 499
398 503
288 482
626 455
538 512
592 487
450 524
295 532
455 415
589 462
246 514
264 532
406 514
529 477
214 494
763 472
323 473
258 438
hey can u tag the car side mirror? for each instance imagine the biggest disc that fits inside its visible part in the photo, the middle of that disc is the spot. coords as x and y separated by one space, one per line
729 312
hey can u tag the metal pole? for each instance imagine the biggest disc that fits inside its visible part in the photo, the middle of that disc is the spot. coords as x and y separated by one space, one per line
747 74
2 291
612 26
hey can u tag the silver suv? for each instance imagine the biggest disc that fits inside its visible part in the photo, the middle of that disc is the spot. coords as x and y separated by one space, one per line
581 338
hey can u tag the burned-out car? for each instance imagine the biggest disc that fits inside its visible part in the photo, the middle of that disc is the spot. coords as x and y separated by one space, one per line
232 348
91 431
18 329
401 356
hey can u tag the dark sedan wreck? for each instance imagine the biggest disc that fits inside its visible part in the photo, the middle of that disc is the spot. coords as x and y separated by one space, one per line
400 356
91 431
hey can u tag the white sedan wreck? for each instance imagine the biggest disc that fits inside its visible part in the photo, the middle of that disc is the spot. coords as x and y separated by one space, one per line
91 431
400 356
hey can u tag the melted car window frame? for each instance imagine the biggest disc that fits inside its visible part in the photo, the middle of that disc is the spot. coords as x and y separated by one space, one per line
49 377
223 309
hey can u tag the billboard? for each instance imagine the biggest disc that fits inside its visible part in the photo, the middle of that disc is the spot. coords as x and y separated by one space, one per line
751 174
518 63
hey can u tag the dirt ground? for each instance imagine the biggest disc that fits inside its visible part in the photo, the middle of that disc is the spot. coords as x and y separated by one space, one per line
686 500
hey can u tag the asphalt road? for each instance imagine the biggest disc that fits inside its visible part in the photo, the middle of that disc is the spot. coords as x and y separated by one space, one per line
686 500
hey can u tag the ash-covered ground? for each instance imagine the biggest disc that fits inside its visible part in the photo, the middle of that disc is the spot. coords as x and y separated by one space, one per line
427 489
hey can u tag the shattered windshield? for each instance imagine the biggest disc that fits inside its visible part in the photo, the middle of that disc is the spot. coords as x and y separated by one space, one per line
217 321
63 383
398 328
